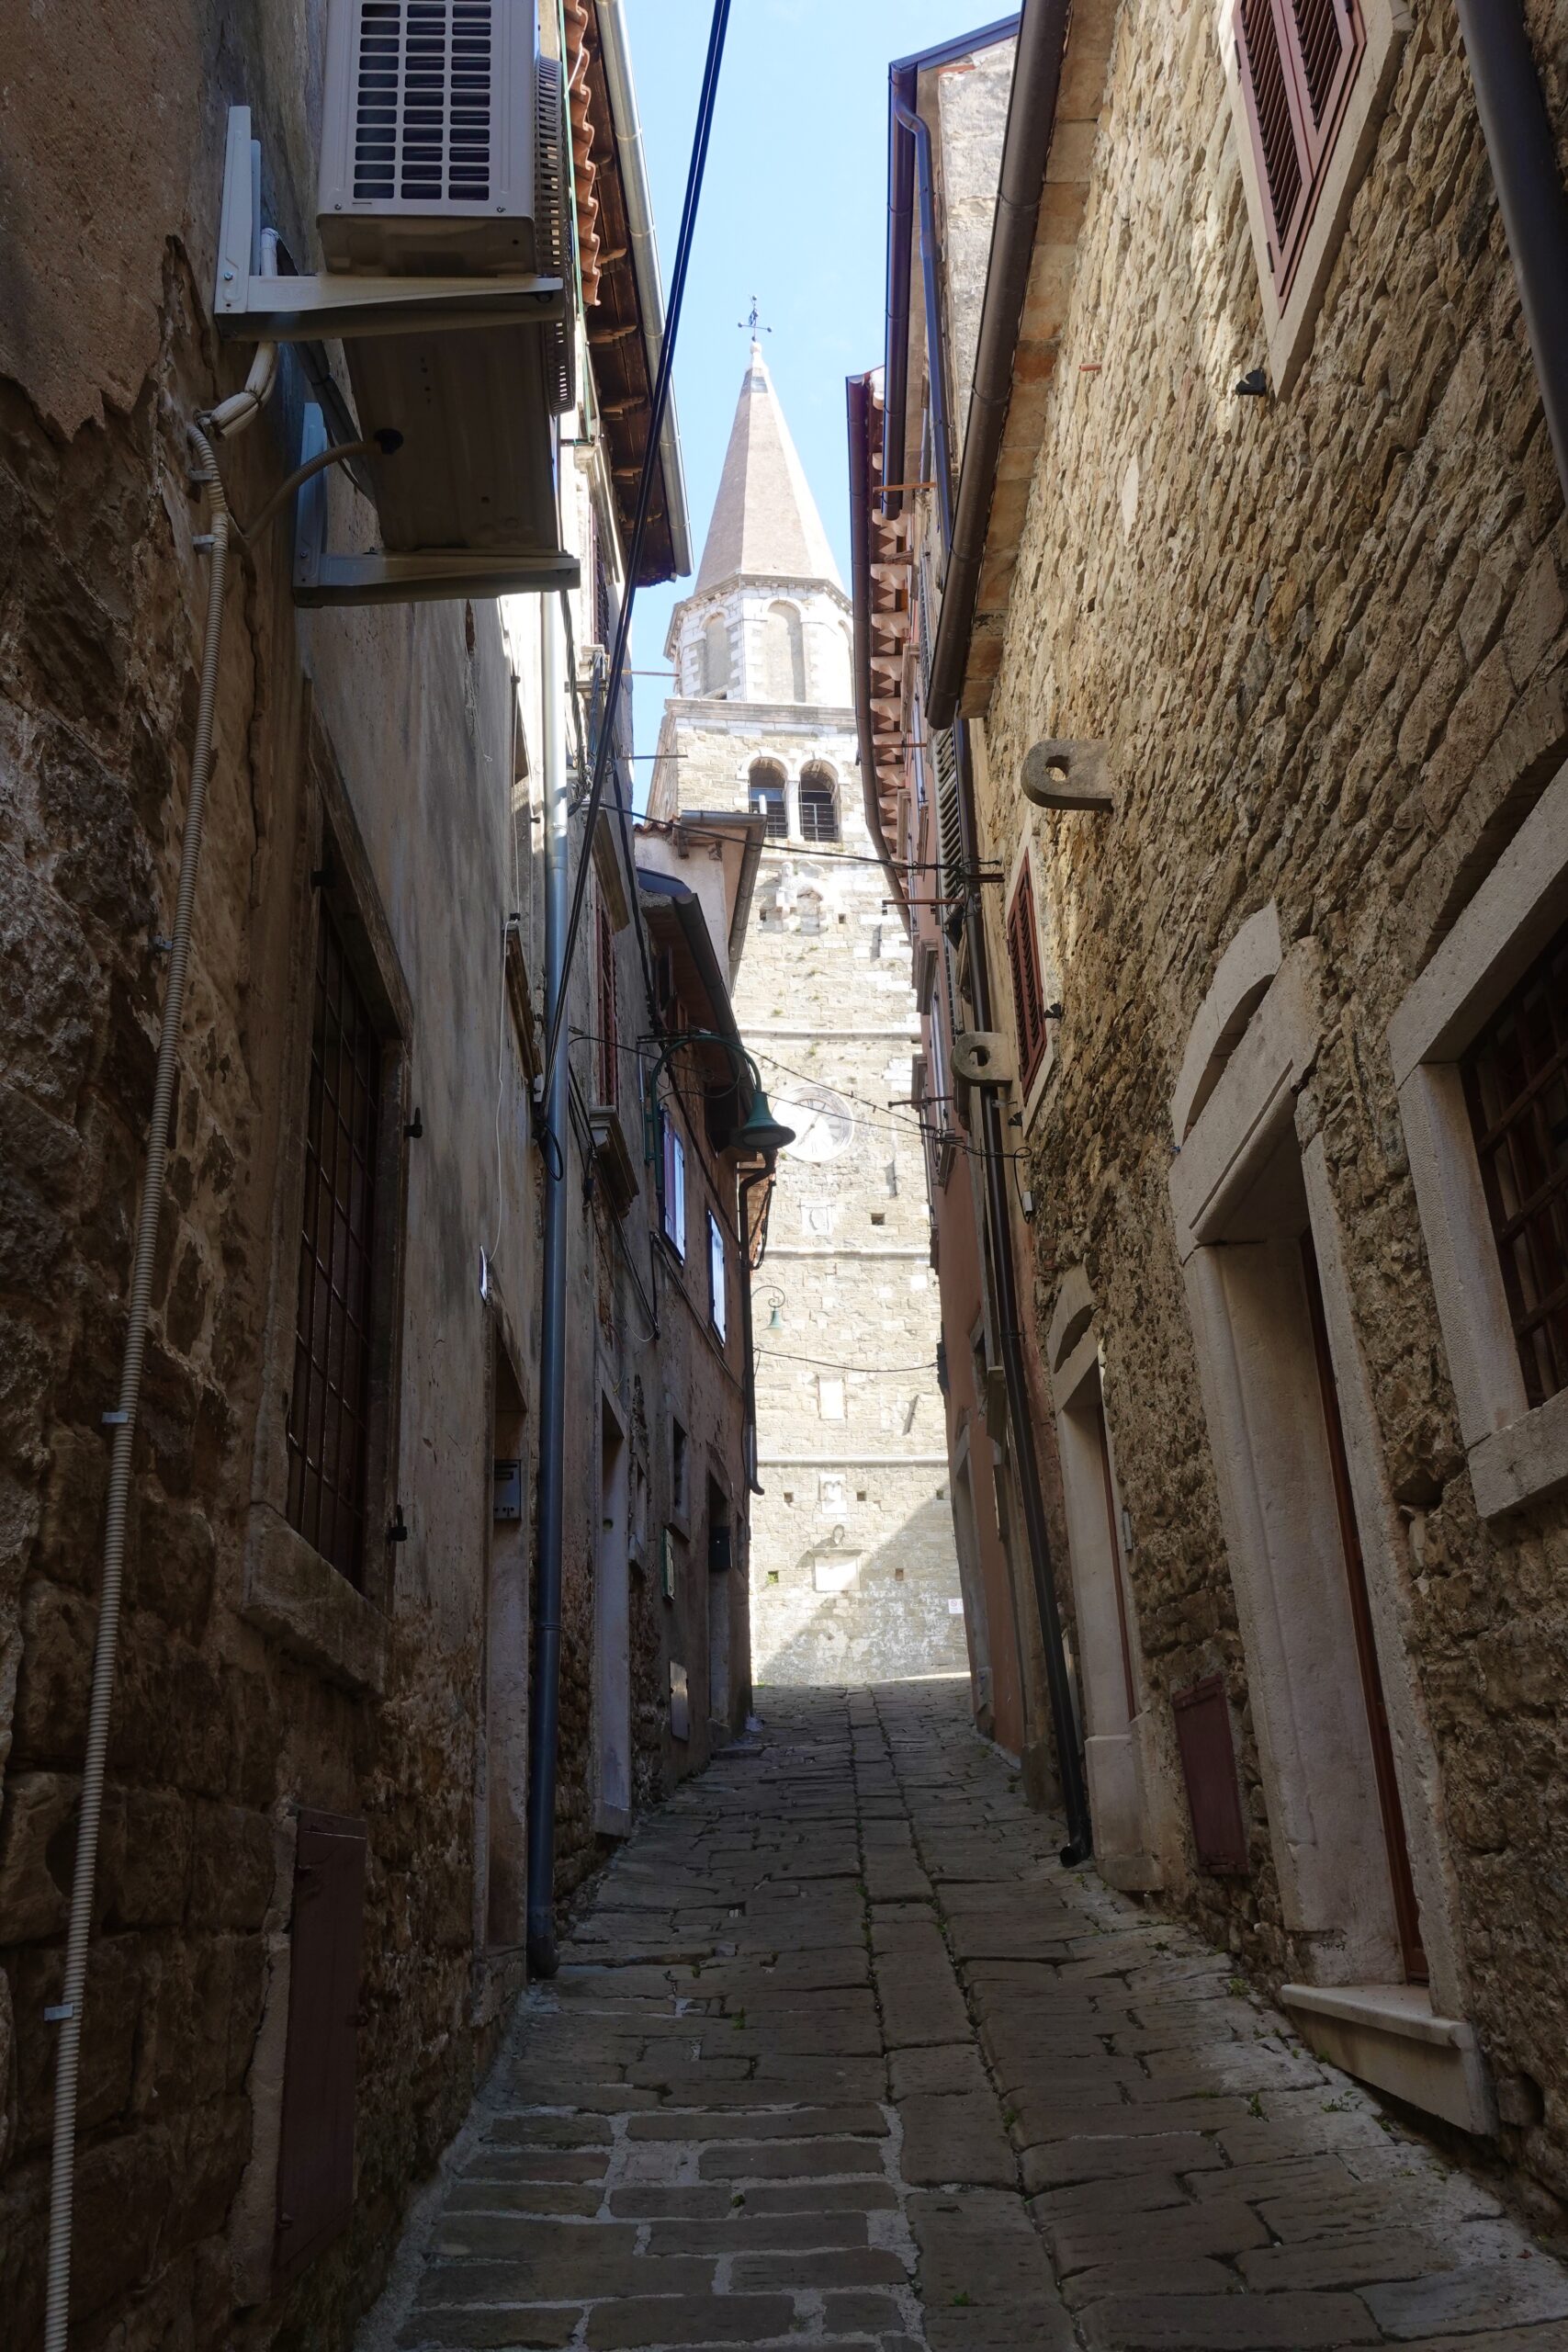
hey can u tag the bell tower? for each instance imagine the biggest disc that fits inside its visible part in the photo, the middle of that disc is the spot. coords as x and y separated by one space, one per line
853 1572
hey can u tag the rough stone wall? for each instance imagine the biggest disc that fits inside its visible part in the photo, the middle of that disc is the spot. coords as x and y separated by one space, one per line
972 111
853 1569
1323 639
218 1730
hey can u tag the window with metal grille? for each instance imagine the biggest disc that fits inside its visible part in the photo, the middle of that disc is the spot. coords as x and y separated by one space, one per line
329 1409
768 796
609 1054
1515 1084
1023 960
422 100
1296 60
818 807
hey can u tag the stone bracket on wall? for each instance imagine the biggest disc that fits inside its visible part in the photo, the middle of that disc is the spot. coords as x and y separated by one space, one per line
1060 773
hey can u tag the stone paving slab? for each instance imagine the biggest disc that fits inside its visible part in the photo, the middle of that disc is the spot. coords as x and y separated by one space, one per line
840 2060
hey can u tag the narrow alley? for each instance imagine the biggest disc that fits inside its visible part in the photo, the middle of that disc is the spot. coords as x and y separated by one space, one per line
839 2055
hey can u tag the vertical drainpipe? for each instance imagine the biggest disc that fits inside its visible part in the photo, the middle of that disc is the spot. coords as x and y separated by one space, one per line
993 1138
749 1184
1523 155
544 1721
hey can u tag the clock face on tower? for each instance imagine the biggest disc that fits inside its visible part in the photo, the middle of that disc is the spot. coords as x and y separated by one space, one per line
822 1120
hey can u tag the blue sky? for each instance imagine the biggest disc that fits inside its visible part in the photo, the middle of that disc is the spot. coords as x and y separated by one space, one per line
793 211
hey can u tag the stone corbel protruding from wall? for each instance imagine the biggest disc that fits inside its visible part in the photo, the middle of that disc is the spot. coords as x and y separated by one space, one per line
1061 774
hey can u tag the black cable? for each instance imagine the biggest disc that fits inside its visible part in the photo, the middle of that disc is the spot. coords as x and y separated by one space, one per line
645 490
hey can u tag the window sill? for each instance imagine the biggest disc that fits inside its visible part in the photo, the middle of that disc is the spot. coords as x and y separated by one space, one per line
299 1599
1388 2035
1524 1463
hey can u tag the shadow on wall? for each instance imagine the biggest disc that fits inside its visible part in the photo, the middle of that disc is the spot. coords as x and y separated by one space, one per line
893 1621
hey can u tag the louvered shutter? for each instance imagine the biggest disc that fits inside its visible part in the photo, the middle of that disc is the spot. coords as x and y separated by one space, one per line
1295 59
315 2158
950 831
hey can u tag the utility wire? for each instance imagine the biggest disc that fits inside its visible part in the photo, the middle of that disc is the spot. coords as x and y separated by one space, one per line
651 458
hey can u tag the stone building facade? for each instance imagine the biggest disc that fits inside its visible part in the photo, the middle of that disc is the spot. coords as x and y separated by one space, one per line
853 1575
1268 554
298 1709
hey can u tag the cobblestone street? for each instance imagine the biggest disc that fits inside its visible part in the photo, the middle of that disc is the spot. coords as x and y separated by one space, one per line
840 2056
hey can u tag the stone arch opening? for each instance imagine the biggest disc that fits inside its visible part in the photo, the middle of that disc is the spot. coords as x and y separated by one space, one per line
765 792
818 802
784 654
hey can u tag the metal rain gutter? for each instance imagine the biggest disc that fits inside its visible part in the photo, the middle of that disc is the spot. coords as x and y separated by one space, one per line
1523 155
858 396
555 1136
1026 148
903 81
629 149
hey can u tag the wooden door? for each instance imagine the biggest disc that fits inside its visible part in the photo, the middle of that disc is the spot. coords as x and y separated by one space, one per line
1407 1915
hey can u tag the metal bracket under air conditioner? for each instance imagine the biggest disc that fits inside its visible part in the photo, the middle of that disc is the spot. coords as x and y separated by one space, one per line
250 308
422 577
1065 775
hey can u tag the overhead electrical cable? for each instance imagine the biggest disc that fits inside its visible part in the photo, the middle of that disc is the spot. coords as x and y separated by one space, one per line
652 458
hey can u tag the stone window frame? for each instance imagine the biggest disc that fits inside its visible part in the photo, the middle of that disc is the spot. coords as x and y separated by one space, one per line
1517 1454
1289 326
1412 2039
288 1589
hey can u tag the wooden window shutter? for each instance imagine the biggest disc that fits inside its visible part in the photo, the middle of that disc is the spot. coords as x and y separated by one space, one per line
1208 1767
609 1033
1296 60
315 2159
1023 959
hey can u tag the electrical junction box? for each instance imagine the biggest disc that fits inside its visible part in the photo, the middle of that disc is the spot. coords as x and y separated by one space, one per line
508 1491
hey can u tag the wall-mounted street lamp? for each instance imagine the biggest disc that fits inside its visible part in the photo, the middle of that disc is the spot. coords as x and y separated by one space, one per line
759 1134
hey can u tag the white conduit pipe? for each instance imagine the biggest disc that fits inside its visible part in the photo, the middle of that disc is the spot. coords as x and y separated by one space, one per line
69 2012
232 415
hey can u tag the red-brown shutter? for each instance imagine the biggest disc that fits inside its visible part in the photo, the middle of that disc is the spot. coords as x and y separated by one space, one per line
609 1035
1208 1767
1327 38
1023 959
315 2159
1296 59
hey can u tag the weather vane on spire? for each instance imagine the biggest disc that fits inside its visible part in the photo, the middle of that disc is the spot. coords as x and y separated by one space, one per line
753 320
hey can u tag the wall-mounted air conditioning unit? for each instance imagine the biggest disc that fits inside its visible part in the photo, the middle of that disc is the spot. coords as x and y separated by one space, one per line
444 216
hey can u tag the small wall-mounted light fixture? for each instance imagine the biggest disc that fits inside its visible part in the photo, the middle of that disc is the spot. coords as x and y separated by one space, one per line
414 1128
1127 1544
399 1531
1254 385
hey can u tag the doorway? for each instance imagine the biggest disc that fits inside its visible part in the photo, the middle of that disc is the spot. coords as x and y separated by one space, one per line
1274 1408
611 1635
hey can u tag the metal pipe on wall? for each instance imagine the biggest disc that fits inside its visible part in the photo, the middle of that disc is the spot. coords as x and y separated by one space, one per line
1530 195
544 1717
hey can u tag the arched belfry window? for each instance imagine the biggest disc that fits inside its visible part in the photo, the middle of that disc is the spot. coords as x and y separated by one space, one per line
716 655
783 662
819 803
766 792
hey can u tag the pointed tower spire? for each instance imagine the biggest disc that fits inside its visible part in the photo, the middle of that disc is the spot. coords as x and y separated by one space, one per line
764 520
